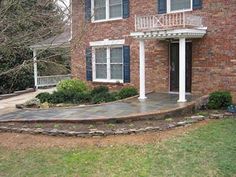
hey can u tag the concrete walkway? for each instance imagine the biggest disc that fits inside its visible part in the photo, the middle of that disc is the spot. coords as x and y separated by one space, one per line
9 105
131 107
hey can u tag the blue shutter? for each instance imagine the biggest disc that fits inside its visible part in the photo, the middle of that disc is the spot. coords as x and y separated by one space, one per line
197 4
126 57
89 69
87 7
162 7
125 8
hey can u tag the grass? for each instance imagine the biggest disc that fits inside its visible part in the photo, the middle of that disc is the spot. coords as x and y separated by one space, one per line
207 151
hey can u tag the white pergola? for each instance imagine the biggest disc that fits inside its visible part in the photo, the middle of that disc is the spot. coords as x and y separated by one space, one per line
178 26
59 41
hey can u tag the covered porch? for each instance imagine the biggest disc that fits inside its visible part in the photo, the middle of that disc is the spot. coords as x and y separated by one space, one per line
61 41
175 26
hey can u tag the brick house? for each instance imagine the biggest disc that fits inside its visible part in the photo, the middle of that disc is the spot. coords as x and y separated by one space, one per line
176 46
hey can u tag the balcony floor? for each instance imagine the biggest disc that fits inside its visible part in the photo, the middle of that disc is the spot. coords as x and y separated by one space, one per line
170 33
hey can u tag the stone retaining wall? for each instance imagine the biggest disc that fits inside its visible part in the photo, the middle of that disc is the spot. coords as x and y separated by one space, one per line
95 132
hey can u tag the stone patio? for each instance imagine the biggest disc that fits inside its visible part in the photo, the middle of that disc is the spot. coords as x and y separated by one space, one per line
157 103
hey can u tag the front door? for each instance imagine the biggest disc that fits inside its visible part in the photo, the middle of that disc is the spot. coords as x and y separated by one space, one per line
174 67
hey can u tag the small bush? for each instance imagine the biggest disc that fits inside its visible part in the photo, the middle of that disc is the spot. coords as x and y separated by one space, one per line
58 97
219 100
103 98
100 89
82 98
44 97
98 95
127 92
70 97
72 85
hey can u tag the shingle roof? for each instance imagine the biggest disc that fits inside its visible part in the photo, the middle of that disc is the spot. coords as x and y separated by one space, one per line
61 40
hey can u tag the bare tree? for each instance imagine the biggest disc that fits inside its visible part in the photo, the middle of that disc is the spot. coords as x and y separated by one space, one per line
23 23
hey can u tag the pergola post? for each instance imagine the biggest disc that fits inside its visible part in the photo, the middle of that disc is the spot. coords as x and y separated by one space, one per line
142 95
35 69
182 70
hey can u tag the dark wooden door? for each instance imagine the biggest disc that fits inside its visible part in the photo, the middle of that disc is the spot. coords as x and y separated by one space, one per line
174 67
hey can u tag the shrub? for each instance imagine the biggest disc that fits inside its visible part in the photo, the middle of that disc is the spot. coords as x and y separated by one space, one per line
83 97
65 97
219 100
44 97
100 89
127 92
58 97
72 85
103 98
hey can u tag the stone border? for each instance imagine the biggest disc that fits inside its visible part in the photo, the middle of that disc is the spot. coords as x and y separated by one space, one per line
95 132
16 93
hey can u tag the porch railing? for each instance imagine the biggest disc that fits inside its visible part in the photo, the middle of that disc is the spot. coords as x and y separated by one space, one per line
44 81
167 21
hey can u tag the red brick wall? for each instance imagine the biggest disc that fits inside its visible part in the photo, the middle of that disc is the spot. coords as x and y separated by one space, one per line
214 61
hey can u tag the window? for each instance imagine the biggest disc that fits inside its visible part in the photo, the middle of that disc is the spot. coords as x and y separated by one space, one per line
101 63
107 9
179 5
99 9
108 64
116 63
115 8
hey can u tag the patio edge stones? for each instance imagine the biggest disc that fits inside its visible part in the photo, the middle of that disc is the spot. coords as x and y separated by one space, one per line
96 132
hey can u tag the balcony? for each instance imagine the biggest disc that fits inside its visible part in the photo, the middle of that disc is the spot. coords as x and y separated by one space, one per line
169 26
167 21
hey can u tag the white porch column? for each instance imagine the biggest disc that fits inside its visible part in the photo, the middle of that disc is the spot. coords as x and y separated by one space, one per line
182 70
142 95
35 69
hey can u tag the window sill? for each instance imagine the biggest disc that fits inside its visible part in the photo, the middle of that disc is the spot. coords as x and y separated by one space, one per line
178 11
108 81
107 20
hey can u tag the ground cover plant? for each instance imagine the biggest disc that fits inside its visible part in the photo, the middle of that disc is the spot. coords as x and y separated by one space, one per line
74 91
206 151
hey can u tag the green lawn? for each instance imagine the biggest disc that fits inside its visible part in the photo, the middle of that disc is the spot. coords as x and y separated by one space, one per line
207 151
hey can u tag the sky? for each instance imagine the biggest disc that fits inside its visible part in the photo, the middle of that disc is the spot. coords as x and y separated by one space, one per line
67 2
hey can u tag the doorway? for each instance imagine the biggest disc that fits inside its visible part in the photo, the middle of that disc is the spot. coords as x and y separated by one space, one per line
174 67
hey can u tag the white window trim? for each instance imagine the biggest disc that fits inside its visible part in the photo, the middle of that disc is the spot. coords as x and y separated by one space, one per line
107 13
176 11
108 45
107 42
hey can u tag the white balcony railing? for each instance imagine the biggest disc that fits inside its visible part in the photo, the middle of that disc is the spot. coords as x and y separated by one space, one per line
44 81
167 21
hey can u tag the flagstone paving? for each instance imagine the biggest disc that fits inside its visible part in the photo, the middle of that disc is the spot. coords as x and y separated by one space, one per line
155 102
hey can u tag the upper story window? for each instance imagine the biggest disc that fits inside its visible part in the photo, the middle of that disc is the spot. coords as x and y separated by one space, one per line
99 9
179 5
107 10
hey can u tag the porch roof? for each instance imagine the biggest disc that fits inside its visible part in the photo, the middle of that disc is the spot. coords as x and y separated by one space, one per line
61 40
171 33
